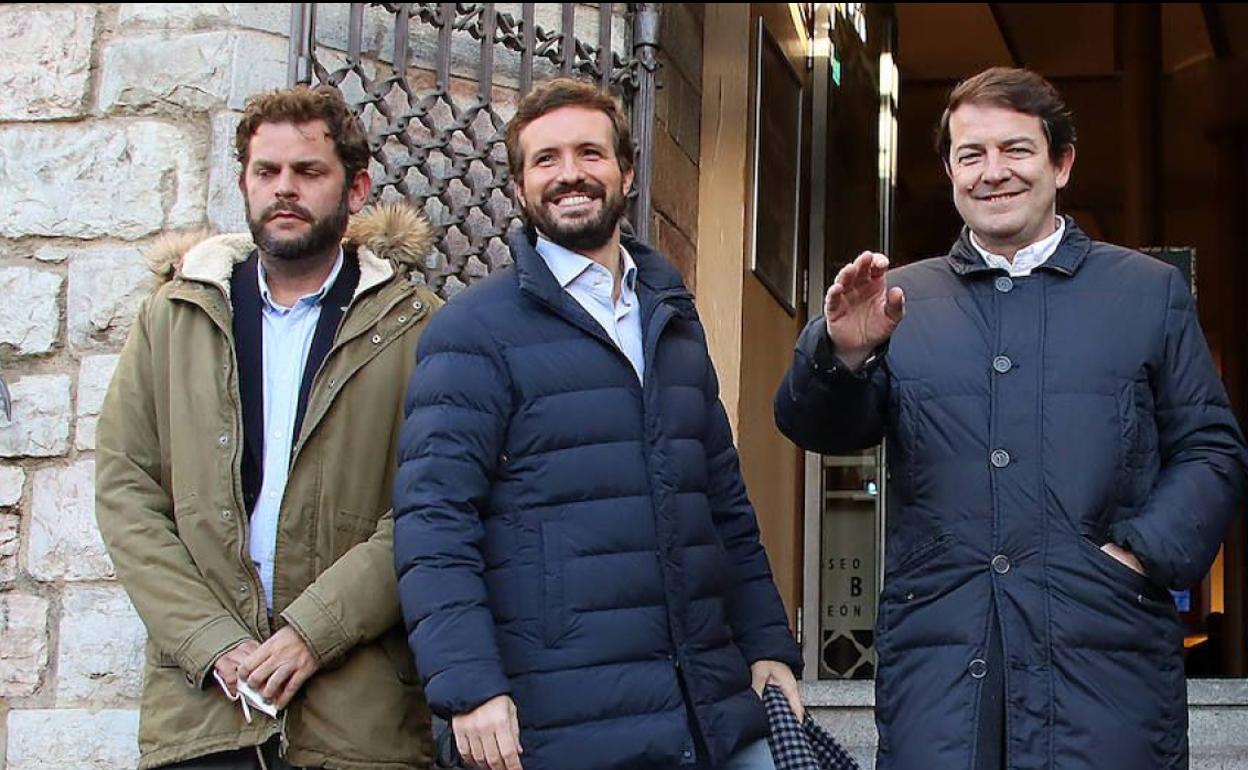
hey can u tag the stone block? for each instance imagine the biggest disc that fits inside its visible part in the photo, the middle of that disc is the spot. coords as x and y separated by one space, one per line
680 38
64 541
675 185
682 115
100 650
103 179
259 64
10 543
23 643
93 377
40 424
11 481
31 325
56 739
174 15
106 287
45 60
275 17
226 212
157 74
672 244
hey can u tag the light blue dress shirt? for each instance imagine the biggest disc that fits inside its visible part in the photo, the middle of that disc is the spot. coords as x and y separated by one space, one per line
287 337
591 284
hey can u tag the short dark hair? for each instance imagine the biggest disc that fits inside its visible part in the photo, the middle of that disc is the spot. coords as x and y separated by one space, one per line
1019 90
567 92
303 104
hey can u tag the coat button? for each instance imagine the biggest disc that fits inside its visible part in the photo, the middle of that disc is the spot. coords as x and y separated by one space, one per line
333 381
1000 564
242 589
1004 285
224 439
1002 364
978 668
227 514
1000 458
376 339
402 319
417 305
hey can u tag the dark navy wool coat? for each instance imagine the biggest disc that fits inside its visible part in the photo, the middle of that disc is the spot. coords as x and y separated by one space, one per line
1029 421
576 539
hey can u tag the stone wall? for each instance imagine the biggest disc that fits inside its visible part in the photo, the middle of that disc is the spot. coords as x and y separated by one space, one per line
677 141
115 125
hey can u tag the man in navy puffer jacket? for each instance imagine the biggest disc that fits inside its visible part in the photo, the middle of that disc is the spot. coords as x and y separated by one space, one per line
579 566
1060 453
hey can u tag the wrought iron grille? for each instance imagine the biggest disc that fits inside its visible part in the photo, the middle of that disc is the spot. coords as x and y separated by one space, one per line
435 84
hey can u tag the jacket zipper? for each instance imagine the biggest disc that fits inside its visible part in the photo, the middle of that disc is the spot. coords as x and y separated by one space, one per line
338 345
308 425
242 521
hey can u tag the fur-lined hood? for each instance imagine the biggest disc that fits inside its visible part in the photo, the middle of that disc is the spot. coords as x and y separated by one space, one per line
388 236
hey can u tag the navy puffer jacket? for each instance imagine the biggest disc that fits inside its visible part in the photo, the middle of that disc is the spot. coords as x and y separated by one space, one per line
1031 420
576 539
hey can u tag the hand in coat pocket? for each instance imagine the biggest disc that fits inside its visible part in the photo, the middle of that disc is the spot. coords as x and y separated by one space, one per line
1125 557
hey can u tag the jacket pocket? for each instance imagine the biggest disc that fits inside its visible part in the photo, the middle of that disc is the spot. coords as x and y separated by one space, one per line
554 618
1125 403
900 589
185 506
922 553
157 657
1137 445
1120 575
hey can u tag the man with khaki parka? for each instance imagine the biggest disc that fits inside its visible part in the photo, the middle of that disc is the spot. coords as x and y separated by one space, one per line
245 462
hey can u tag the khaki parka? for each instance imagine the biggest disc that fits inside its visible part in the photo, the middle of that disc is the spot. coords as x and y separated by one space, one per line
169 501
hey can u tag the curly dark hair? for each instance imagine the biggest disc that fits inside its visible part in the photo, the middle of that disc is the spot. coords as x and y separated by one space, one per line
302 104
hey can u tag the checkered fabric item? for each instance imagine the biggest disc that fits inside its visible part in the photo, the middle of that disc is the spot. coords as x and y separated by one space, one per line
801 745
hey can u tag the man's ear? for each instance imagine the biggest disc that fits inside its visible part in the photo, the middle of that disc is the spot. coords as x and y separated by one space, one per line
1064 166
357 192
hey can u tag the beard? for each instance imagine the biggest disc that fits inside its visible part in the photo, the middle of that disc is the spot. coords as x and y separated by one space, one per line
323 234
582 234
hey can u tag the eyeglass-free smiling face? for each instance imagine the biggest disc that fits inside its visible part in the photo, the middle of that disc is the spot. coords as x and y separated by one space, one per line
572 187
1004 183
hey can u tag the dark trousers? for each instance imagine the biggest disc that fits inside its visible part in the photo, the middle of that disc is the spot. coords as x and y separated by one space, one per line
262 757
990 751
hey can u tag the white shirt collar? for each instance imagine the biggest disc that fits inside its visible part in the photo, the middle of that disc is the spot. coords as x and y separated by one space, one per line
1027 258
567 265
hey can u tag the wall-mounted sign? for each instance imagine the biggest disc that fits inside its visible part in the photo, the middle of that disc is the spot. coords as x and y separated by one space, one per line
775 215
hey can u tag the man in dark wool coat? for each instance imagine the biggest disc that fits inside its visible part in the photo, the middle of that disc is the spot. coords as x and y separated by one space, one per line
1061 453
